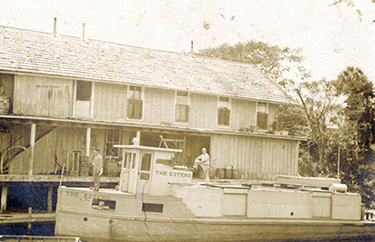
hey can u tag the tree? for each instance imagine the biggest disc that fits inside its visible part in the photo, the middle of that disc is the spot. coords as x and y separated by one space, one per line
318 100
284 65
279 64
358 132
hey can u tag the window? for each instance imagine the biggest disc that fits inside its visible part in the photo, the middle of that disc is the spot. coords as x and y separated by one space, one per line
182 106
224 105
83 91
144 173
262 116
135 102
129 160
113 138
103 204
152 207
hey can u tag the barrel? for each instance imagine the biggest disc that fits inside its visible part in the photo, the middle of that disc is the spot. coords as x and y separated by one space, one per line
220 173
236 174
338 187
228 173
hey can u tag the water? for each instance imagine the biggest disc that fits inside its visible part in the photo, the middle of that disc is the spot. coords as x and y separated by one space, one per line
48 229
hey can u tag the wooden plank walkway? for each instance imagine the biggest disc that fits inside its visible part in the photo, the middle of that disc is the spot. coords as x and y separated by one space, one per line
12 218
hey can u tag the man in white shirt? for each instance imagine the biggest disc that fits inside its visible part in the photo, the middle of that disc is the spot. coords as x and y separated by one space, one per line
97 168
204 161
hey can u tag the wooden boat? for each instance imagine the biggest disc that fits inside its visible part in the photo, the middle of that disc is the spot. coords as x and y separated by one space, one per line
157 201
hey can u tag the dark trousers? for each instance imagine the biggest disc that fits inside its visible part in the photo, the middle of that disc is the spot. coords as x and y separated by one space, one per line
96 181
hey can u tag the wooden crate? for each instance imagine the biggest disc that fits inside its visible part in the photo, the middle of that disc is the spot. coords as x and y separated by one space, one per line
111 169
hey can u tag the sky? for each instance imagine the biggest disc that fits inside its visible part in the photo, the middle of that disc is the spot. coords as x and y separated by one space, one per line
332 34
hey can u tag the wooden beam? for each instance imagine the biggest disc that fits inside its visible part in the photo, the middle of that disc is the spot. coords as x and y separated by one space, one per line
92 100
88 141
4 179
4 196
49 198
32 148
74 98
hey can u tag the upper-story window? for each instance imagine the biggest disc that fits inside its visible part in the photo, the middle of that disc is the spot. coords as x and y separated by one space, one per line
224 106
113 138
83 91
135 102
182 106
262 115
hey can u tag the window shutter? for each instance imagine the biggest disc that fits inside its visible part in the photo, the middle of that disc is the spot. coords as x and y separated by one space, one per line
135 108
262 120
223 116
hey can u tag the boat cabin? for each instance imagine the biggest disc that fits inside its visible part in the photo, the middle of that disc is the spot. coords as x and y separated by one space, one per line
150 170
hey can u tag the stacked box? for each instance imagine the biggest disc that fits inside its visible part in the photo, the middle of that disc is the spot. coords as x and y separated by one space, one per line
111 168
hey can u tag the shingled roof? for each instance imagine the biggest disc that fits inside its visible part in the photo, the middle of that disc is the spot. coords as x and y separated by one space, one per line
26 51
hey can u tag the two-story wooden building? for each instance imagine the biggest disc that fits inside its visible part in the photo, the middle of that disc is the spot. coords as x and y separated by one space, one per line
63 95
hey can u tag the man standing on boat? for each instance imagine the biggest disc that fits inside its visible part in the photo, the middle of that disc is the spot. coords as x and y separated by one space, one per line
97 169
204 161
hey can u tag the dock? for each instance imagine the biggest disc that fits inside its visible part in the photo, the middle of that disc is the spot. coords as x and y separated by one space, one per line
12 218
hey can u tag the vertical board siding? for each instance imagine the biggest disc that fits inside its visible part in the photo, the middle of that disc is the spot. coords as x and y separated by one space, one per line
159 106
243 114
110 102
203 111
43 96
255 157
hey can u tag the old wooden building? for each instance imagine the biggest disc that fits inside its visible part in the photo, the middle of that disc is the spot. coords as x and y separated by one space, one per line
64 95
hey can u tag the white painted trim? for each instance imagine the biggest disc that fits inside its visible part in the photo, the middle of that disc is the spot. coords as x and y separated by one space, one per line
74 98
92 100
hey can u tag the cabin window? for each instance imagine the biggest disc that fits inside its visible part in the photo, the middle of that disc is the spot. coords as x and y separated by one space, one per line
113 138
224 107
129 160
152 207
135 102
103 204
145 167
182 106
262 115
83 91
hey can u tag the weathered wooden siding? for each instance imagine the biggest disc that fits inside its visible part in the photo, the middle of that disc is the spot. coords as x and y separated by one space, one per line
42 96
243 114
44 154
158 106
53 97
203 111
110 102
255 157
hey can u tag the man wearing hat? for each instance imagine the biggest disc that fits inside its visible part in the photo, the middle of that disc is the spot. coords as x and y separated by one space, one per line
97 168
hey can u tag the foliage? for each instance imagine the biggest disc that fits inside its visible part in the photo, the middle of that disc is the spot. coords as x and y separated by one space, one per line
352 141
319 104
357 133
279 64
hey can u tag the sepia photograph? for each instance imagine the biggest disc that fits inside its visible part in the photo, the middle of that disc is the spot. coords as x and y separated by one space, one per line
187 120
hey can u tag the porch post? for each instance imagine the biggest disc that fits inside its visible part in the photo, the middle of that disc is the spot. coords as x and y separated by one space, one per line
88 141
49 197
138 137
32 146
4 196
